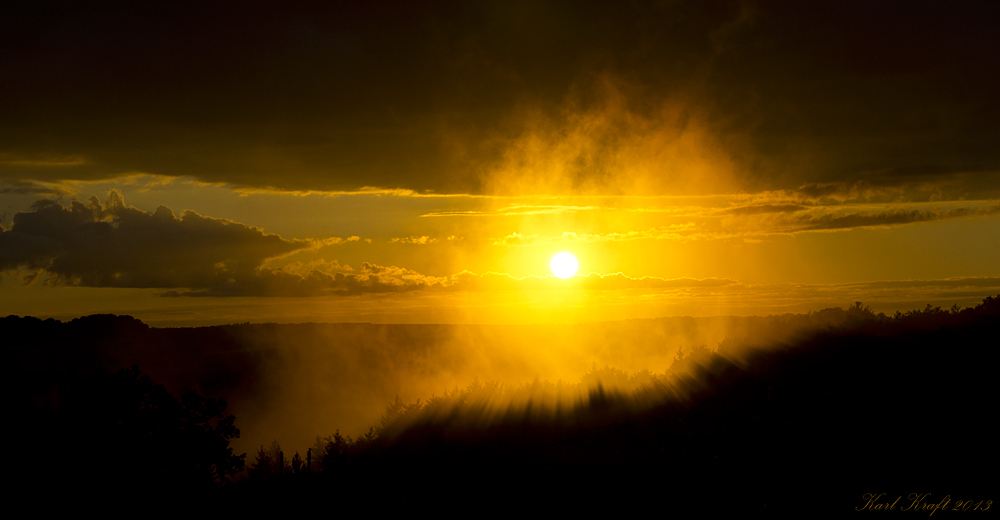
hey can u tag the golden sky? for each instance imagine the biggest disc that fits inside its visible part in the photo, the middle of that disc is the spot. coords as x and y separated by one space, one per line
422 162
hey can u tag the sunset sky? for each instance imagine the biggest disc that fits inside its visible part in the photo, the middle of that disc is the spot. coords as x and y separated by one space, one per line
421 162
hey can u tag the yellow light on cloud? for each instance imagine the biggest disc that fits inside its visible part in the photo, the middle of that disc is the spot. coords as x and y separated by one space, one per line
564 265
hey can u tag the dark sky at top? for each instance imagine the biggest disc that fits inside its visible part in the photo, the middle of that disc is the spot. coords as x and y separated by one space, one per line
430 95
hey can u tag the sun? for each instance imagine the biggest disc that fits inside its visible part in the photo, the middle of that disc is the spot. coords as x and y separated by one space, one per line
564 265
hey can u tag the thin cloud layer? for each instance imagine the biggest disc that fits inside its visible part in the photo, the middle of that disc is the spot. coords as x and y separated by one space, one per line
517 210
750 221
887 189
468 281
830 222
845 218
663 233
371 278
27 187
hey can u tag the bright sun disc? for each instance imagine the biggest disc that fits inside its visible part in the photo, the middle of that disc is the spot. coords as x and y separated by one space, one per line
564 265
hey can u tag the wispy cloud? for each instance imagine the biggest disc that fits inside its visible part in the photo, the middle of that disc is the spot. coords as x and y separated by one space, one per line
58 161
753 221
492 281
419 240
513 211
666 232
764 208
36 188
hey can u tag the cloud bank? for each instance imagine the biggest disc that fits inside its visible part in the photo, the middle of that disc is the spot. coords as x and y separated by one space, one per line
114 245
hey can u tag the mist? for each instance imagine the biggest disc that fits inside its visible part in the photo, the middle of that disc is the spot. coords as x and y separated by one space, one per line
293 382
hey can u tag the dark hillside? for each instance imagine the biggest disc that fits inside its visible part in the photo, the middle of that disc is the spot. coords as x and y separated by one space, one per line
880 405
848 404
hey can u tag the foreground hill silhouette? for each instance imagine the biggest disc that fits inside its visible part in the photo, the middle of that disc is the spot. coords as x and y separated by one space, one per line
857 403
292 381
877 405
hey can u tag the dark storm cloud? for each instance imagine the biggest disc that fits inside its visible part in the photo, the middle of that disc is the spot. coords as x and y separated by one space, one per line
430 95
112 245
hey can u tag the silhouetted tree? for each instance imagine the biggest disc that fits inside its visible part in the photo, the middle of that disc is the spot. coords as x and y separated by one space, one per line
395 412
130 437
298 465
268 463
